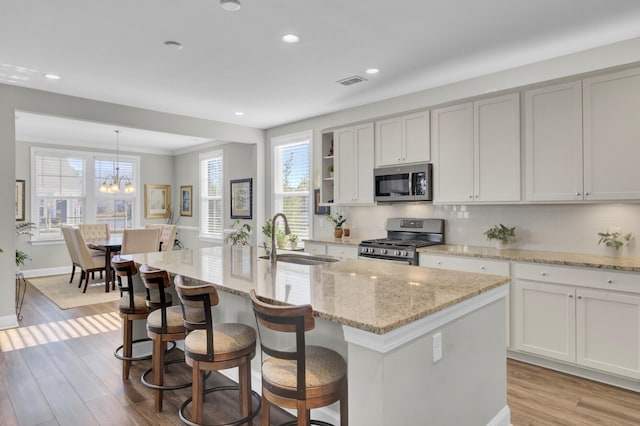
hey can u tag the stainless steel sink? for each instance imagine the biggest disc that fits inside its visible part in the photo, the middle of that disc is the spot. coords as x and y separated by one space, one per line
302 259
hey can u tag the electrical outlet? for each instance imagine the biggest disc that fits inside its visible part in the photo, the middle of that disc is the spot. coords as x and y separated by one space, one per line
437 347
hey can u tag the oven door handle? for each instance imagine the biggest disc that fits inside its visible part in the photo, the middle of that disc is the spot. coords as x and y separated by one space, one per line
410 183
382 259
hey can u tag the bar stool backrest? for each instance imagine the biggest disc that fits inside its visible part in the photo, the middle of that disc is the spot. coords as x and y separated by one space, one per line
201 298
284 319
126 269
156 281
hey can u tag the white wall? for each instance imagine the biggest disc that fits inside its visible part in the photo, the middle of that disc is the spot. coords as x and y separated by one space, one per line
546 227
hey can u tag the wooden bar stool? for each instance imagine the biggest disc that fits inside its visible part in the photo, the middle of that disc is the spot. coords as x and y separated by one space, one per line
164 324
212 347
303 377
131 307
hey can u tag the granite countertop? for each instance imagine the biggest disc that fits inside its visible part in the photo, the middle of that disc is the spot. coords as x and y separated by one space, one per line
377 297
630 264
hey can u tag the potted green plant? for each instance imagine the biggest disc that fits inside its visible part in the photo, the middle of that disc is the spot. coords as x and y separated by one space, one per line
23 228
281 238
293 240
330 169
267 229
338 220
503 235
614 240
240 236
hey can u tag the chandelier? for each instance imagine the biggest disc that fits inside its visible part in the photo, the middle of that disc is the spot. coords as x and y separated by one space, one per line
112 183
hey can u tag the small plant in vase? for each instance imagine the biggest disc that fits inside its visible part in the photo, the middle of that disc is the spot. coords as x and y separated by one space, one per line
338 220
330 169
293 240
615 241
503 235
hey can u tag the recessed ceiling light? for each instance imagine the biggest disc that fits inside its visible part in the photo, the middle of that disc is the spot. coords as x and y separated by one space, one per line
51 76
372 71
239 113
230 5
290 38
176 45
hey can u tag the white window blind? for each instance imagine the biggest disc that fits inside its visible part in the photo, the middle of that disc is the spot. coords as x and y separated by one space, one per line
291 177
211 190
59 192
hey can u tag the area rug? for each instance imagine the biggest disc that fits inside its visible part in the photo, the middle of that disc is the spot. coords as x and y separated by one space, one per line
57 289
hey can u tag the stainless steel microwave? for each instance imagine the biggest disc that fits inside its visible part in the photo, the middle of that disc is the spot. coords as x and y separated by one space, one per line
404 183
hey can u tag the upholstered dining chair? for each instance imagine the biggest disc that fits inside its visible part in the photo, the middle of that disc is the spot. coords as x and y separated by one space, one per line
211 347
87 262
143 240
95 231
297 376
67 233
167 235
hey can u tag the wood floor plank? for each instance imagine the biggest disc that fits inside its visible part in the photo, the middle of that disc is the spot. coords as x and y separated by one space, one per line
7 414
29 404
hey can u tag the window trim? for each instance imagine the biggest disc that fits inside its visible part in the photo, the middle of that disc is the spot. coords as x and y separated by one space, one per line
90 198
298 137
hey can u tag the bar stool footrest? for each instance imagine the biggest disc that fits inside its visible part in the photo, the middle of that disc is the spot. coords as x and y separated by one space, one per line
313 422
216 389
116 353
144 381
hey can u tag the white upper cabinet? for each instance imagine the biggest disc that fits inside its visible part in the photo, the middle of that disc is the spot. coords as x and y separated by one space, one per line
354 164
497 149
553 143
612 136
477 151
453 153
403 139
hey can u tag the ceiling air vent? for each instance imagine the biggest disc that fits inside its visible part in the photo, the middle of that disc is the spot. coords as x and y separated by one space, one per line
351 80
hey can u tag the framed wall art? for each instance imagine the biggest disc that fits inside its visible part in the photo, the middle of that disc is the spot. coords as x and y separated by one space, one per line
186 200
157 201
242 198
20 200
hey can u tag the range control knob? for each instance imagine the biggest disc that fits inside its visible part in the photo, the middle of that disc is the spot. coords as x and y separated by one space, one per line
405 254
383 251
397 252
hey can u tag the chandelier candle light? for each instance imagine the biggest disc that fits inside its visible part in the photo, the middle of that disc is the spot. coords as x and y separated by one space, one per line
112 183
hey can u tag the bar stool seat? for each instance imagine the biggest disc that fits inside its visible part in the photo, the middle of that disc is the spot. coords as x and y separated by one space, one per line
297 375
211 347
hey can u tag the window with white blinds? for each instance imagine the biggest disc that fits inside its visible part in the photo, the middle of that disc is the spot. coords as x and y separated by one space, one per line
211 191
291 181
65 191
59 192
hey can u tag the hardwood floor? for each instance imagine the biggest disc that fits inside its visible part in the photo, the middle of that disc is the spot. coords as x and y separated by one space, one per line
58 369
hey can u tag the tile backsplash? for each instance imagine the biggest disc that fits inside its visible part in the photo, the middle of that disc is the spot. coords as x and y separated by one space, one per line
566 227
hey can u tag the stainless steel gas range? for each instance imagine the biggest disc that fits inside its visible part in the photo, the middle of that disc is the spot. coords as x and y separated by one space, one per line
404 236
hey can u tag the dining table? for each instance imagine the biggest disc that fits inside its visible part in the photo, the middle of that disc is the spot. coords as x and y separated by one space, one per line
110 247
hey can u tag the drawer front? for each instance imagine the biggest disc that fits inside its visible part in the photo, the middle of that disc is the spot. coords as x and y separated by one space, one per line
342 251
319 249
580 277
465 264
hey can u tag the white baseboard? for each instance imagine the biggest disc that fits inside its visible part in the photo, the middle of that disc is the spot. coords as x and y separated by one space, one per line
503 418
31 273
8 321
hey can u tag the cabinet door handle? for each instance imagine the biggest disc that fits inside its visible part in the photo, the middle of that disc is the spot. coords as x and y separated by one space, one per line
579 297
570 296
482 268
470 196
609 281
587 194
577 193
544 274
439 263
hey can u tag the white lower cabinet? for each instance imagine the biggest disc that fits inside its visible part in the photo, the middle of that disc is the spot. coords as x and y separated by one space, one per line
343 251
315 248
560 316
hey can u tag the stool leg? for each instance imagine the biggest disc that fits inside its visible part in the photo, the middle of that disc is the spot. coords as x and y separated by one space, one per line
127 348
304 417
344 407
266 410
158 370
197 392
244 383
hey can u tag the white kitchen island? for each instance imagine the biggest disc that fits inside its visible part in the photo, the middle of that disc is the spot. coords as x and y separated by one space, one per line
384 319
